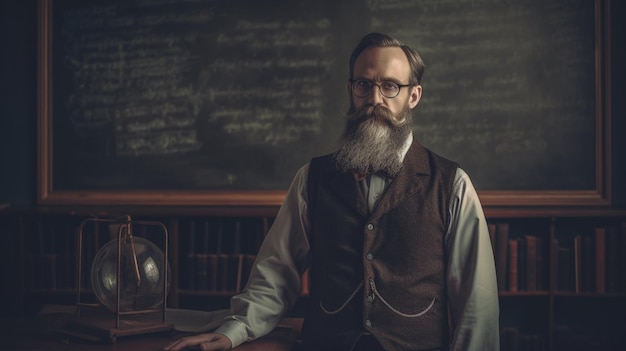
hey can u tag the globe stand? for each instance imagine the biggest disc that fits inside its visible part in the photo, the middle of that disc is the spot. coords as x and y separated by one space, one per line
145 313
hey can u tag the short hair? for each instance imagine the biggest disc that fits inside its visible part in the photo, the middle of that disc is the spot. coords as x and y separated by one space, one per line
383 40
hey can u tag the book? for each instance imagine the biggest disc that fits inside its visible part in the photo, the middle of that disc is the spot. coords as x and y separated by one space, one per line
622 253
252 234
531 262
219 238
600 263
239 283
513 276
236 242
502 243
306 283
209 241
587 263
564 269
541 267
613 259
202 272
233 279
226 236
223 272
66 258
189 271
213 272
577 258
521 264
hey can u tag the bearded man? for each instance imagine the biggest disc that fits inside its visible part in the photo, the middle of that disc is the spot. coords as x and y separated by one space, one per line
393 234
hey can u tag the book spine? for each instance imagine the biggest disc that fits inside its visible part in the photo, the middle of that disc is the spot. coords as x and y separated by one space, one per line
306 283
191 267
622 254
202 272
521 265
577 268
502 242
565 271
513 276
587 264
541 265
613 260
531 262
600 271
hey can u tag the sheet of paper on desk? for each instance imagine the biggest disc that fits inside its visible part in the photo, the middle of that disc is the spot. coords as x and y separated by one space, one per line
184 320
194 320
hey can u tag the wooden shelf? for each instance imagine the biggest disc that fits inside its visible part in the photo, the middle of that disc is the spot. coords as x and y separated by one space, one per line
541 314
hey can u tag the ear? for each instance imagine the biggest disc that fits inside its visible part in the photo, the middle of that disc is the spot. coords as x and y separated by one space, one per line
414 98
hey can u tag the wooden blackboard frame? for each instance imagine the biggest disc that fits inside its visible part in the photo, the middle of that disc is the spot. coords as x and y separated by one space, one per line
48 195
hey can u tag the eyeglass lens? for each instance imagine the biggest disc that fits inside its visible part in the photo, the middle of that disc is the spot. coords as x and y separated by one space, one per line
363 88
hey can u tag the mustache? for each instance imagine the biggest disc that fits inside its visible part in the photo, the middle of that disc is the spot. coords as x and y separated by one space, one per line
377 112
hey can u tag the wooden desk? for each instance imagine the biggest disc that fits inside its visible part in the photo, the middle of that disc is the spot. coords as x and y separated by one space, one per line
40 335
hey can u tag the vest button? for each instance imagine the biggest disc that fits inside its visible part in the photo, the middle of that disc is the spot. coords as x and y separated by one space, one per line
368 323
370 226
369 257
370 298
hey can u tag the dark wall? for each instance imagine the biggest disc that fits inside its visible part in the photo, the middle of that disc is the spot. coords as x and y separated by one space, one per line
618 106
18 140
18 102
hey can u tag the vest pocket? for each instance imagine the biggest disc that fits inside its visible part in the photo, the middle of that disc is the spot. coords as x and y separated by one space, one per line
344 304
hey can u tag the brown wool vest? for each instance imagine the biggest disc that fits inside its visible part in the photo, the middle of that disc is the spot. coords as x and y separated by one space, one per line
381 272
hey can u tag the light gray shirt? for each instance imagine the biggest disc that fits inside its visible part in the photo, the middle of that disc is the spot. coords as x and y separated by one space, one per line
274 283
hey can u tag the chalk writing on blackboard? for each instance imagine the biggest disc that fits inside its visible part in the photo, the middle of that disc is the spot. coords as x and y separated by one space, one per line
209 95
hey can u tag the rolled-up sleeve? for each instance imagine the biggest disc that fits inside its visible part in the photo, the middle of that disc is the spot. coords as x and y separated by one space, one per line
471 281
274 283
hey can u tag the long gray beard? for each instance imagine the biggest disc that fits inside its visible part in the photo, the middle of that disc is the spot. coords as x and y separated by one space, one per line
372 141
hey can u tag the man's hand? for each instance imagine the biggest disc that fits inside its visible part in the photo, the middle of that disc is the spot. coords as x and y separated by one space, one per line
204 342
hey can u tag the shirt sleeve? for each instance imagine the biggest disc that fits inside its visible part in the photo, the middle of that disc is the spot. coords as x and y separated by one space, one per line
471 281
274 283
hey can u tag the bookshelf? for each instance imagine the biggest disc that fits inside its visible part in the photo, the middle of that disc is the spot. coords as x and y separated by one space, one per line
561 271
561 276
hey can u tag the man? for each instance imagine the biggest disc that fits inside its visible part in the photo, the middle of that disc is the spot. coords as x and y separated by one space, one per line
394 234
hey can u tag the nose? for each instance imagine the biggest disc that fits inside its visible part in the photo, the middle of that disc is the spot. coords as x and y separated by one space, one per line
376 97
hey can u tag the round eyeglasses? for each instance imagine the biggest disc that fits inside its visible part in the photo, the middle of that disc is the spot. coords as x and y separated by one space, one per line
363 88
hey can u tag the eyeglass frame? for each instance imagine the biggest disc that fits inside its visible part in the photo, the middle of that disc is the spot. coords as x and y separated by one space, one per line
379 85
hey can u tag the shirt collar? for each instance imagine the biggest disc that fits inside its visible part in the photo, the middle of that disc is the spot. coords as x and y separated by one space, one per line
405 148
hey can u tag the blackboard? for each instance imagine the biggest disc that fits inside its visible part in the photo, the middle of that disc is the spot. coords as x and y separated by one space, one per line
188 97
